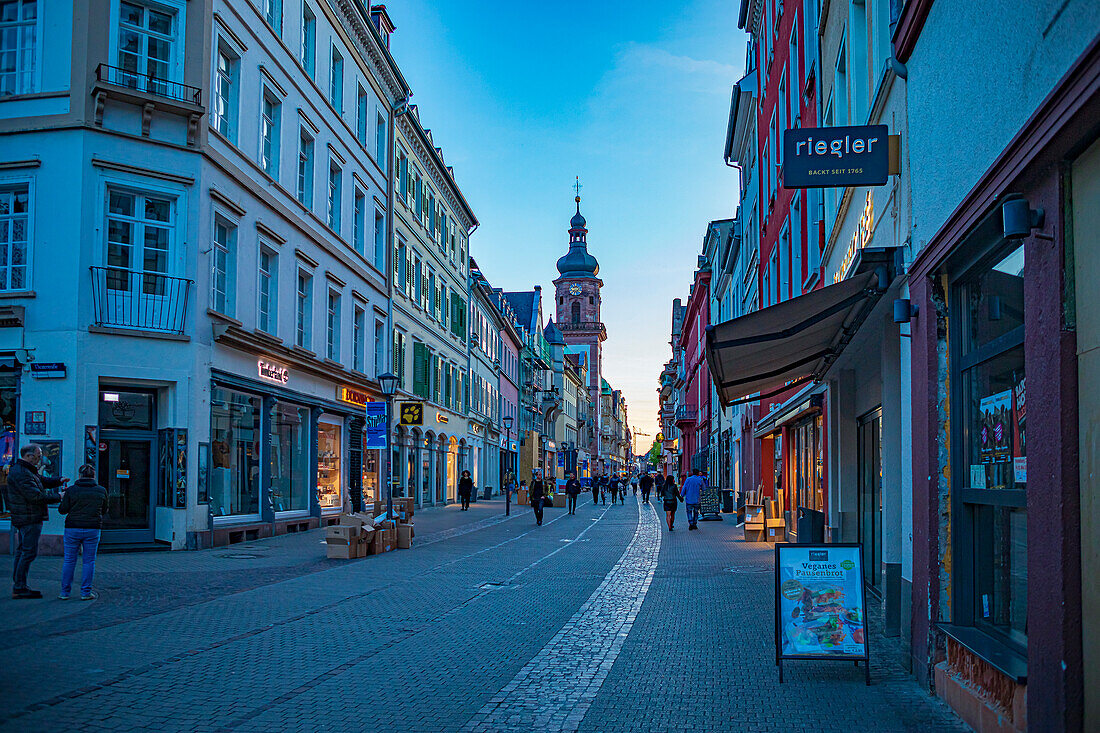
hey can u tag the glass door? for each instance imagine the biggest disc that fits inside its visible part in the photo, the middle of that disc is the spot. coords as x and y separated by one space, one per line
126 469
870 497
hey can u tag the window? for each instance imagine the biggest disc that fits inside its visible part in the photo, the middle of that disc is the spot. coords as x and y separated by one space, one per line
358 235
304 311
362 107
418 281
336 82
305 170
18 46
14 237
138 238
332 326
399 265
987 378
146 40
379 239
289 450
225 255
309 41
380 139
334 180
269 290
379 347
234 486
225 93
270 113
273 14
399 357
358 337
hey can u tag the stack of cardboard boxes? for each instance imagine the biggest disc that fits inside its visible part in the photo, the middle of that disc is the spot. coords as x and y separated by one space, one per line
372 532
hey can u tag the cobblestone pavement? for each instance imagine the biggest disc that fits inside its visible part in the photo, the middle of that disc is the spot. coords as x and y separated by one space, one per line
485 630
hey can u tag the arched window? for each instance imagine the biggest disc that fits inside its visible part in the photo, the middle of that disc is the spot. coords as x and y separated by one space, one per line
576 312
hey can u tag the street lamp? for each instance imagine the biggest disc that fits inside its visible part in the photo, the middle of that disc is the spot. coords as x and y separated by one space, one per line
508 449
388 384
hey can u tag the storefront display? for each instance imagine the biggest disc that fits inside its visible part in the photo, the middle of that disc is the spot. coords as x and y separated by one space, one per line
9 390
329 476
289 441
234 478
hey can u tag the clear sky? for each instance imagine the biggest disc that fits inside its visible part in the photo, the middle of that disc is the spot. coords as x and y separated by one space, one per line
633 97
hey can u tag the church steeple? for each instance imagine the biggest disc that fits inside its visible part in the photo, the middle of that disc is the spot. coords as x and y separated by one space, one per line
578 262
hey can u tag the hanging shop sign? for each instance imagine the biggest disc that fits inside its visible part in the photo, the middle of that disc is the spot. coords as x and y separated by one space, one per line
352 396
375 425
824 157
820 604
412 413
273 372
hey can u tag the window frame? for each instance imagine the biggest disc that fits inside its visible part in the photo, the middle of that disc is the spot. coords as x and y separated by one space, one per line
306 173
336 80
13 185
178 9
271 277
303 309
35 75
228 250
333 324
307 51
272 124
231 78
334 213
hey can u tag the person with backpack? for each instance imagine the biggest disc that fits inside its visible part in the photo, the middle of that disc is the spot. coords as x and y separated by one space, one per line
84 505
671 499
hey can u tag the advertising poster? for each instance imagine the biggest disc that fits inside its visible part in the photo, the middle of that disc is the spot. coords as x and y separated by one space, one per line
1019 448
820 603
375 425
996 424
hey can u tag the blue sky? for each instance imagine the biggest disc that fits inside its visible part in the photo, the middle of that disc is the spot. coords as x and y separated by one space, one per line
633 97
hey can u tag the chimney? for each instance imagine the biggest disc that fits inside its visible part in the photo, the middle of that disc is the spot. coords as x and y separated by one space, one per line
382 22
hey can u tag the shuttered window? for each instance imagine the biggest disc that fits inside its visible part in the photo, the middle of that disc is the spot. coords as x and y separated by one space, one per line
421 356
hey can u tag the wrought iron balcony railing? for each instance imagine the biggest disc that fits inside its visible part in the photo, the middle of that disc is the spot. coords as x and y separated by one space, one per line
149 84
143 301
686 414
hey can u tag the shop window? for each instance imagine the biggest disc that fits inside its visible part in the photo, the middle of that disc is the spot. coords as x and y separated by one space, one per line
126 410
289 457
329 488
990 453
234 481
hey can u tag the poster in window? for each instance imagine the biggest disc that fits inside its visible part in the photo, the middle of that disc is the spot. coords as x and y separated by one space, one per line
820 602
1019 447
51 459
996 411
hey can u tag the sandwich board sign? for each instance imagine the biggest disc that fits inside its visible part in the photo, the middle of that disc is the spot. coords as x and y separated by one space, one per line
820 604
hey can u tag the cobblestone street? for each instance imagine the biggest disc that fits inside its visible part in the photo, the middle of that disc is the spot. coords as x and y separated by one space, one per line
599 621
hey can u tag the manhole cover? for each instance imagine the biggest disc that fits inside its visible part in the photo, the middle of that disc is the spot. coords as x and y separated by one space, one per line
241 556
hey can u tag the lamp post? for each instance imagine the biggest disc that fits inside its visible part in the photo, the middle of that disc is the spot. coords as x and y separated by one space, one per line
388 384
508 449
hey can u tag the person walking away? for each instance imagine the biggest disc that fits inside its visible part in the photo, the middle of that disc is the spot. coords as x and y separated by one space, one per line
671 498
465 490
646 482
692 493
538 492
572 490
596 489
613 487
604 481
28 497
634 484
84 506
622 491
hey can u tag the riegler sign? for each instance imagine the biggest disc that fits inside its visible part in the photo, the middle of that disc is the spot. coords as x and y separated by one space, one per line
824 157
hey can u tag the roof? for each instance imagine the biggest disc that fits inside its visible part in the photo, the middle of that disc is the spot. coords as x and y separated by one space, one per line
553 334
525 306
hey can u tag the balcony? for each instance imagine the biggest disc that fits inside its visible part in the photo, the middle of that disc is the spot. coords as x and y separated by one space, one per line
686 414
151 93
582 326
141 301
148 85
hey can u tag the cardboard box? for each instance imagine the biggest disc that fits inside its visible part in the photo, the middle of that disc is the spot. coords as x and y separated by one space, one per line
377 544
390 532
521 496
404 536
338 549
559 501
343 532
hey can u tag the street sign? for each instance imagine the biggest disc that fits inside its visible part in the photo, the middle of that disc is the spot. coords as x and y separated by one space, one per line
828 157
820 604
376 426
48 370
412 413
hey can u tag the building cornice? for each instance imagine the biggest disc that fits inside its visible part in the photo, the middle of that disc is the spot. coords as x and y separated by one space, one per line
426 152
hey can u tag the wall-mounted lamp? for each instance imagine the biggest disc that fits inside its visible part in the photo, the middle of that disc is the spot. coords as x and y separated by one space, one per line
905 310
1019 219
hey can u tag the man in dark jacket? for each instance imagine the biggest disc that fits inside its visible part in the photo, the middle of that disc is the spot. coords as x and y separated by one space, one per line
572 490
647 486
538 491
28 498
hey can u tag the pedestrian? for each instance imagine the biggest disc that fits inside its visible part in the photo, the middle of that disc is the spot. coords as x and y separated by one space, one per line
28 497
671 499
634 484
84 506
604 486
572 490
613 488
647 485
691 492
538 493
622 491
465 490
596 489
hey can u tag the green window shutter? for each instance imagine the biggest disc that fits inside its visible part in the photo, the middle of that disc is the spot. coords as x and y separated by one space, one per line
420 369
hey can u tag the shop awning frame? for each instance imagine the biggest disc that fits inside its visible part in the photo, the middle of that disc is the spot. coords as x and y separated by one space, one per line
778 348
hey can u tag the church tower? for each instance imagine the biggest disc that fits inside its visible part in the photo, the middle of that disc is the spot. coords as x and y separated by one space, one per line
577 301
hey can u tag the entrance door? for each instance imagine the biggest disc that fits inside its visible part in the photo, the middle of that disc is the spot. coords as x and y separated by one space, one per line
126 469
870 497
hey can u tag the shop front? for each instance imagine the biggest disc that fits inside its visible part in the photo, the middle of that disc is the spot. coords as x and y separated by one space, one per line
428 450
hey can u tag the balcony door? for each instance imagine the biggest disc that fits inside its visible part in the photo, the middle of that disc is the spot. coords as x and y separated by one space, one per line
135 289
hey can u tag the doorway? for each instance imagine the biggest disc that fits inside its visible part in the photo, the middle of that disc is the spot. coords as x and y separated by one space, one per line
870 497
127 464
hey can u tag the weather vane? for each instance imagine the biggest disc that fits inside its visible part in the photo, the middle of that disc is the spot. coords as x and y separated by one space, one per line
577 187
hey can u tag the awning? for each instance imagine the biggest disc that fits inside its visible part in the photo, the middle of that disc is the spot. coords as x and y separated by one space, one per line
794 342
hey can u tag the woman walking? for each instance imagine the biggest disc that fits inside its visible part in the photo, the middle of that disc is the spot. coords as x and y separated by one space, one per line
538 492
672 499
83 505
465 489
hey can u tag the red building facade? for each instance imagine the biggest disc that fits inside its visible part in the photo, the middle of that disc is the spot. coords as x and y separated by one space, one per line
693 415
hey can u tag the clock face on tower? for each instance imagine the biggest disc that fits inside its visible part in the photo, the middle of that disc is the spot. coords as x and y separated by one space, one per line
574 289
